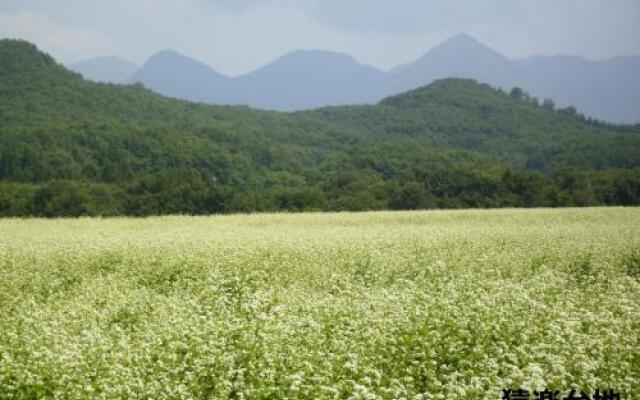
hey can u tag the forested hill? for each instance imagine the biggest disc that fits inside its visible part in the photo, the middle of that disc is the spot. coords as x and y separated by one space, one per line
73 147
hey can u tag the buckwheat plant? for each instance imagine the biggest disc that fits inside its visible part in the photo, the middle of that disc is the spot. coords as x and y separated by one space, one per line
408 305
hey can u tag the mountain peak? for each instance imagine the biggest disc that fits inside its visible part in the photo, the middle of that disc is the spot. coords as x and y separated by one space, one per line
174 62
460 56
170 55
305 63
173 74
304 79
462 38
306 58
317 53
463 45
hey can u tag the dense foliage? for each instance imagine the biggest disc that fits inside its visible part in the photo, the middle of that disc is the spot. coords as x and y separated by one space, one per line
72 147
411 305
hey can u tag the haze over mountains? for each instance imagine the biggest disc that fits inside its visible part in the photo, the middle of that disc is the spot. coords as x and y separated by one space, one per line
608 90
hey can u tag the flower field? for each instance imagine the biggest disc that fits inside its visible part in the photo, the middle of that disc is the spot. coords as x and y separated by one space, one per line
413 305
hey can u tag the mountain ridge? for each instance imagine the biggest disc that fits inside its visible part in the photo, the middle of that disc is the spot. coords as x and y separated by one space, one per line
305 79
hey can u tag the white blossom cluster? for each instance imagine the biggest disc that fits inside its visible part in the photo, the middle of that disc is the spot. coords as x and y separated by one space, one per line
410 305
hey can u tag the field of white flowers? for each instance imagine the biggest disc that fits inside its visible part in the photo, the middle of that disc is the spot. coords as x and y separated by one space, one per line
415 305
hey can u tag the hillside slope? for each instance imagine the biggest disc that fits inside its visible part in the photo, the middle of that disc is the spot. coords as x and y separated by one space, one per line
73 147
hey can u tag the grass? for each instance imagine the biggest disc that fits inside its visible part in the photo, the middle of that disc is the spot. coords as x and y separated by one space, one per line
415 305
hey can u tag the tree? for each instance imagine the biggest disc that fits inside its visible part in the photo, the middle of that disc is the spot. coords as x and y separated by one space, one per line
410 195
570 110
549 105
517 93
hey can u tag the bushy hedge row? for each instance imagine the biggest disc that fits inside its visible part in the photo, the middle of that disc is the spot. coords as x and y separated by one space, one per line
190 192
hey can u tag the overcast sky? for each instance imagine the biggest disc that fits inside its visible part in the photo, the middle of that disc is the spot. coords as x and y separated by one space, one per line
236 36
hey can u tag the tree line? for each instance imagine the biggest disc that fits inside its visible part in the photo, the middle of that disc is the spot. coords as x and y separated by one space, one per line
191 192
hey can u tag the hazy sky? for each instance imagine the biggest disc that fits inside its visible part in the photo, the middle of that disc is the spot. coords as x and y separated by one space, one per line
236 36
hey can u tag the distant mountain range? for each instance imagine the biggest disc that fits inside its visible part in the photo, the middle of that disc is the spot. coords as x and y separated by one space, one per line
608 90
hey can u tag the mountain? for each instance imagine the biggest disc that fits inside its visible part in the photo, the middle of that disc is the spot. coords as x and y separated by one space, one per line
105 69
74 147
175 75
607 90
458 57
307 79
299 80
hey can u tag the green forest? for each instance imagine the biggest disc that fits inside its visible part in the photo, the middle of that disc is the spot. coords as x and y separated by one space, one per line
70 147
